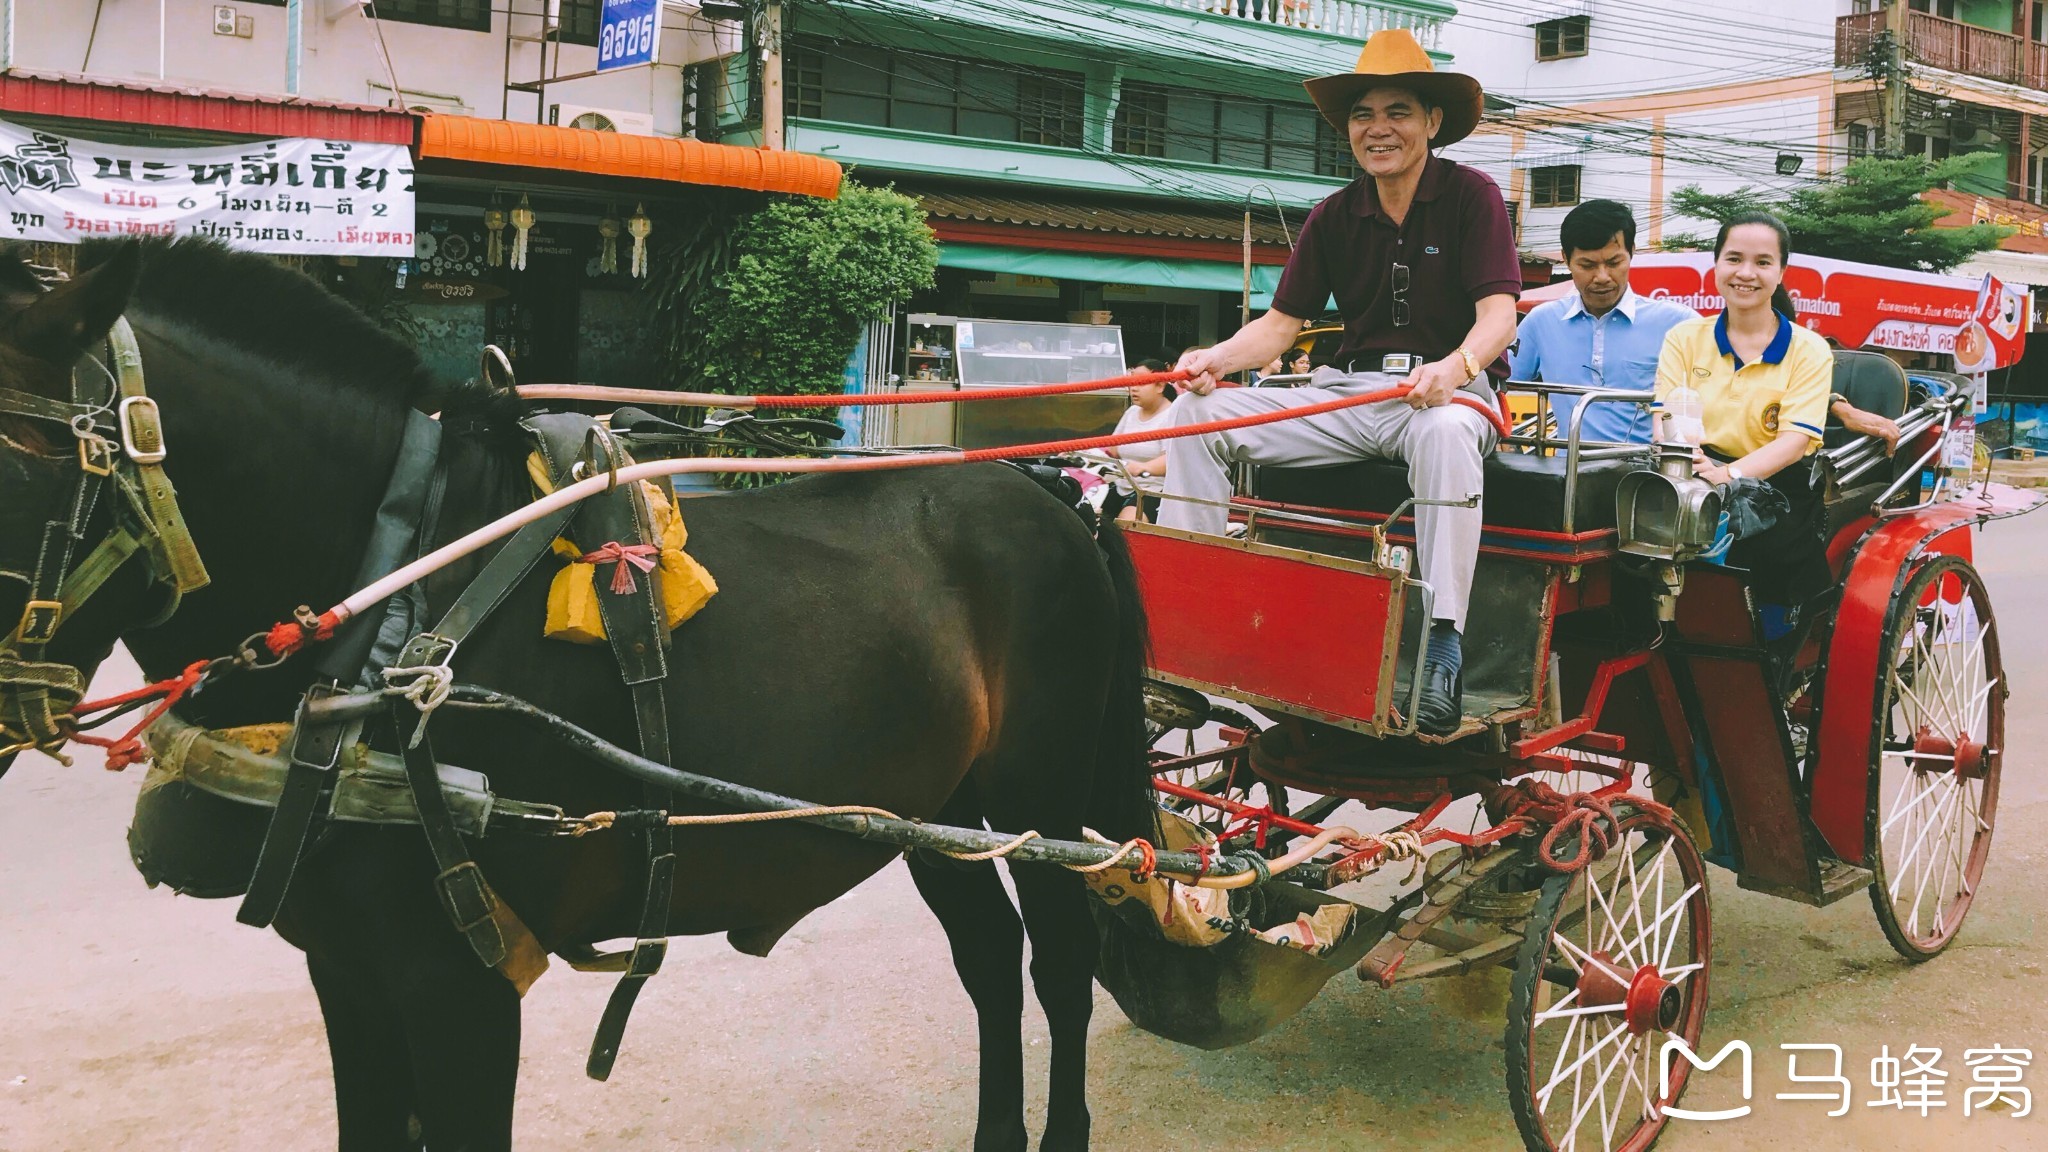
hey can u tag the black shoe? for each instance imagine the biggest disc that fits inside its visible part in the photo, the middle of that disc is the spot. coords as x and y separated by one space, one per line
1441 710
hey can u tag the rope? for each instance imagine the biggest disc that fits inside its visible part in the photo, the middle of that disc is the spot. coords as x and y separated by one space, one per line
426 685
590 393
1005 850
1587 815
129 749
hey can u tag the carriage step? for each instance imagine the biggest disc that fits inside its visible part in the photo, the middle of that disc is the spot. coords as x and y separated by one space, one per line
1838 879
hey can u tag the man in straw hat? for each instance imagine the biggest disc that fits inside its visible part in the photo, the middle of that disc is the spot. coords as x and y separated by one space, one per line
1421 259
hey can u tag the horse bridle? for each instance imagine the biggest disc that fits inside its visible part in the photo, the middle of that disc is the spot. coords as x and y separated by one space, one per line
120 446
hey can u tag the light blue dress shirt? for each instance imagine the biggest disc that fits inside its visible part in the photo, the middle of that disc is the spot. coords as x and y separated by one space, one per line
1559 342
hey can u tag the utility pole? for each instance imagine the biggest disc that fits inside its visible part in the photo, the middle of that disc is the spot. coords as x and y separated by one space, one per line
1895 19
294 44
771 76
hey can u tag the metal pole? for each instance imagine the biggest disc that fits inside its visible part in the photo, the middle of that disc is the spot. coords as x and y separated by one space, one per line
294 19
771 77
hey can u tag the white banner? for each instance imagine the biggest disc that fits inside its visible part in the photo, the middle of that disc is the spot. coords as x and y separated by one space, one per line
304 197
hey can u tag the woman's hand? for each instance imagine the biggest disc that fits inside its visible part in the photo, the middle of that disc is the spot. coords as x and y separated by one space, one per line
1153 467
1706 469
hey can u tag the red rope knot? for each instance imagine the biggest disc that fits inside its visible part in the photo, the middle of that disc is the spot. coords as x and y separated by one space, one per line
1257 821
125 750
1203 850
1588 815
1148 860
623 558
290 636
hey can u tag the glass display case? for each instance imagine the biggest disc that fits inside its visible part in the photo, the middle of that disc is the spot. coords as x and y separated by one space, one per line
1007 353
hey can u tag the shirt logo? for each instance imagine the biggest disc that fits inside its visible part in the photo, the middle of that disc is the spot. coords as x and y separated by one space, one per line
1430 251
1771 419
1702 373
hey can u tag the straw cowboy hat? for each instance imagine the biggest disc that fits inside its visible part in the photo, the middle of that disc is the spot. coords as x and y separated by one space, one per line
1392 59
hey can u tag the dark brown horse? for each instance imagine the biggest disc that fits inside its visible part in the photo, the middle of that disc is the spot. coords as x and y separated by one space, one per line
944 643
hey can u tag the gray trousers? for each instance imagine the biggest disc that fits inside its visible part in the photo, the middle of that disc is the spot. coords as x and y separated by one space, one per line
1443 448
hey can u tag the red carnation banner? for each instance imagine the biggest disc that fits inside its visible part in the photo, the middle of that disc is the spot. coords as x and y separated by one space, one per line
1982 322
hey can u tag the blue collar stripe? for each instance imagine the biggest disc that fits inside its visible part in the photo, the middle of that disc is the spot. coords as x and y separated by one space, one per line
1774 352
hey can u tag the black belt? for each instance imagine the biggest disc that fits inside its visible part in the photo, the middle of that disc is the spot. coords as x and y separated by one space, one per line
1391 363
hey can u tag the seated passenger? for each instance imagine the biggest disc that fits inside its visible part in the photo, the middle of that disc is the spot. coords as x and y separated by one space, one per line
1605 335
1151 410
1763 385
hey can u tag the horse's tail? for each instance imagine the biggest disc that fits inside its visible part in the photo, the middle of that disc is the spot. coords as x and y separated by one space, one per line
1122 805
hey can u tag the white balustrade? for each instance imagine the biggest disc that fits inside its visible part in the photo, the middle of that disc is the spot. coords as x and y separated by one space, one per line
1355 19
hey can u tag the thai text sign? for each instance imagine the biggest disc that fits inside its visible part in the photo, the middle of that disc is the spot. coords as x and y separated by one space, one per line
626 33
306 197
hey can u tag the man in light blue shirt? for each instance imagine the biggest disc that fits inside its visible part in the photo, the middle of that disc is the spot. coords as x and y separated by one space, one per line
1603 334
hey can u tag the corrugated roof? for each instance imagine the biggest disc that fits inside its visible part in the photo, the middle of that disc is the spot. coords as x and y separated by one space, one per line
622 154
1192 223
77 97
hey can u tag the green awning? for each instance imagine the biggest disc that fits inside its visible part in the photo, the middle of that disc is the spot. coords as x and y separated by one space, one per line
1203 275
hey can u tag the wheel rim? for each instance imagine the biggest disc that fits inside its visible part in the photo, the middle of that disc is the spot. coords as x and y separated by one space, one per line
1942 730
1614 965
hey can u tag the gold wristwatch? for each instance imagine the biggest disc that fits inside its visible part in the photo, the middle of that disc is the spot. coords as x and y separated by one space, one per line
1472 366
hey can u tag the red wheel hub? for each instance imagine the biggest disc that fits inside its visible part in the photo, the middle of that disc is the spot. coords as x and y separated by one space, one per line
1649 1002
1968 756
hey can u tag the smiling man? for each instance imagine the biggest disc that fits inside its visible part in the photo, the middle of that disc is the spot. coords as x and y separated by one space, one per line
1421 259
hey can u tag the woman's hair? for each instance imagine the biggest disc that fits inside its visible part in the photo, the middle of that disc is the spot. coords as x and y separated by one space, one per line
1781 300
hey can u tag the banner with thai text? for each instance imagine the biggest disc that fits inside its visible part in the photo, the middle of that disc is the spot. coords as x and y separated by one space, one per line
289 196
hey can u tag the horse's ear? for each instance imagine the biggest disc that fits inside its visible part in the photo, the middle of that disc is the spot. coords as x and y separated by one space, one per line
75 315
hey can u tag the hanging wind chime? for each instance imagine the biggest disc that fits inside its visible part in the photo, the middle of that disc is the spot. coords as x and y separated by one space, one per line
522 223
494 245
609 229
639 226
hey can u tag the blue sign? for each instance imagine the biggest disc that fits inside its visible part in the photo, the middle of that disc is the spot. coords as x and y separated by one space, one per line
626 33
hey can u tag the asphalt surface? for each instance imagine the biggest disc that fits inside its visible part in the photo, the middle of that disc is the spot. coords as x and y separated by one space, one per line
135 1020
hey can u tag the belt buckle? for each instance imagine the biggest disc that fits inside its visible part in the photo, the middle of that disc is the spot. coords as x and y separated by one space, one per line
1402 362
142 430
39 621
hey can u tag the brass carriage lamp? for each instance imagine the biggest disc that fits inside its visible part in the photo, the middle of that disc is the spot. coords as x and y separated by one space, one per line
1668 515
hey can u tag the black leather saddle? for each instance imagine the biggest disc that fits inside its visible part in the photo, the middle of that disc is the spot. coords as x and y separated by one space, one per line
1522 490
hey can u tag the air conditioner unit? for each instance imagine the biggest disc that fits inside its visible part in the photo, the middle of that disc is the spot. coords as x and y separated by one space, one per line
601 119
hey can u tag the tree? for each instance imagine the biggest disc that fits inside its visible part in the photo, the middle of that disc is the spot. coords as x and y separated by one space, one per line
773 301
1874 213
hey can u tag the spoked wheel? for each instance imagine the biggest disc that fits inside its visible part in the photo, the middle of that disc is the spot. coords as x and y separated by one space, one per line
1613 965
1940 735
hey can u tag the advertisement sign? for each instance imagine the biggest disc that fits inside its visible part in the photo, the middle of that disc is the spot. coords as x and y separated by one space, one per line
299 197
1859 305
627 33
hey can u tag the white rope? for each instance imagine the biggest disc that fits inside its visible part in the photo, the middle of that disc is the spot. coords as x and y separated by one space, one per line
426 685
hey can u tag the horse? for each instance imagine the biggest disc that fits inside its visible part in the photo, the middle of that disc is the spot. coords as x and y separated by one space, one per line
949 644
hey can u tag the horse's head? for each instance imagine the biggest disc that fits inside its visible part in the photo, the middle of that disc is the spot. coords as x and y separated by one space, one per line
66 520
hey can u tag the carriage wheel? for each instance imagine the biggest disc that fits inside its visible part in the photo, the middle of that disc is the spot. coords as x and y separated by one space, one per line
1934 771
1614 963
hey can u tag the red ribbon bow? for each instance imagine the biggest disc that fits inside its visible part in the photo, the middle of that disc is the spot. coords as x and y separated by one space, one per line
623 558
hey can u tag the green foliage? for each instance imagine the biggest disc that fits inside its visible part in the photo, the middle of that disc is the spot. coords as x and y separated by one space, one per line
773 301
1873 213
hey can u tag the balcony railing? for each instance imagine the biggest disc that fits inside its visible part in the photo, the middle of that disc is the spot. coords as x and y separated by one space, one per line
1356 19
1950 45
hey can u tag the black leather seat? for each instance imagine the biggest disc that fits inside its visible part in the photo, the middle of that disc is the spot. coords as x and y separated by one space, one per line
1522 490
1871 381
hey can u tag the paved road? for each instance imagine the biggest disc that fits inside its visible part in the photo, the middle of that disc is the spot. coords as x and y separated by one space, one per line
134 1020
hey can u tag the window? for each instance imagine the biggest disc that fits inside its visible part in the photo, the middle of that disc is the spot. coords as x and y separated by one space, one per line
1140 128
1946 9
919 92
1556 186
1859 140
1333 152
2037 179
470 15
1049 108
578 22
1932 147
1558 39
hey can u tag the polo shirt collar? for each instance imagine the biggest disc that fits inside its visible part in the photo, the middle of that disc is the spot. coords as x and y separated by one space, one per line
1428 188
1575 305
1774 352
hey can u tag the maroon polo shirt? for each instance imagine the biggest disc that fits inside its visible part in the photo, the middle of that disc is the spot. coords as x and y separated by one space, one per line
1456 242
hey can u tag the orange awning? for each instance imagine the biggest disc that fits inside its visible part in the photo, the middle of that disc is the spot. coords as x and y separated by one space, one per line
618 154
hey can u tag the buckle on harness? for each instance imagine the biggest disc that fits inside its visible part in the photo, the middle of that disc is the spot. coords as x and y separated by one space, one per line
142 430
96 455
39 622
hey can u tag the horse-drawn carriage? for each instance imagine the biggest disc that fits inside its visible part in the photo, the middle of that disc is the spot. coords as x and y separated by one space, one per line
1632 714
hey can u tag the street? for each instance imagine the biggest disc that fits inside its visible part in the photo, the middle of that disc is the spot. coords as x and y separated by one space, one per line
134 1020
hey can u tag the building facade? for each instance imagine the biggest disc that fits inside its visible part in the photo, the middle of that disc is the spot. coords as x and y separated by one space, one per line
504 115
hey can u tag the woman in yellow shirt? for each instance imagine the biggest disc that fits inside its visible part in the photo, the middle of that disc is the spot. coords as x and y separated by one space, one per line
1763 383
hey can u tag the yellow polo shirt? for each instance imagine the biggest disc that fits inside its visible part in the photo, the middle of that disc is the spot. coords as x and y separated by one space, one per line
1745 406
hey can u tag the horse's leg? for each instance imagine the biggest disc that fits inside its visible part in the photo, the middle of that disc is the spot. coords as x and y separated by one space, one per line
373 1097
988 951
369 904
1063 951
